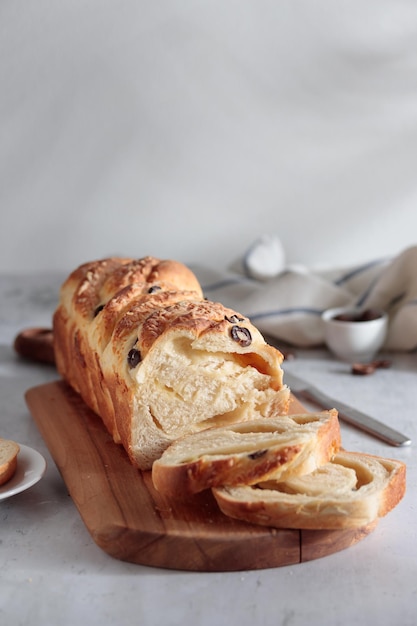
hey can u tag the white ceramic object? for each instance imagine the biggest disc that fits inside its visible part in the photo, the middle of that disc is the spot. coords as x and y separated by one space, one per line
265 259
31 466
354 341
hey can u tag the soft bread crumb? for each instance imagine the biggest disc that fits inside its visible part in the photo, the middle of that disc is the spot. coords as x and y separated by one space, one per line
354 491
8 459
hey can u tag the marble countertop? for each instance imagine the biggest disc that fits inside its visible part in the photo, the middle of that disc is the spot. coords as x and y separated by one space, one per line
53 573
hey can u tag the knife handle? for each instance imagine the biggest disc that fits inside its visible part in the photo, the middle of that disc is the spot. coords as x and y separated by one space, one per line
358 419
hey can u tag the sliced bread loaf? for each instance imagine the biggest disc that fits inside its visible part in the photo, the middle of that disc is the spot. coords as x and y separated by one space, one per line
247 452
351 491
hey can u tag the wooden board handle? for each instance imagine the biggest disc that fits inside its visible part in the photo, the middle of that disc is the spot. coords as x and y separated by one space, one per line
36 344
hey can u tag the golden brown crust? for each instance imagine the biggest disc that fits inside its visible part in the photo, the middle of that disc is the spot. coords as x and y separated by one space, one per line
106 289
85 284
154 274
138 312
396 481
116 319
94 283
183 481
198 318
130 298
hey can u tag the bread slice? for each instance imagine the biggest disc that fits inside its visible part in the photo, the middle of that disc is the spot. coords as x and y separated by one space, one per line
8 459
351 491
247 452
155 360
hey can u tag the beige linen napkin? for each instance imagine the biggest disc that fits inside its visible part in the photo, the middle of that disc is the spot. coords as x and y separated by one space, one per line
288 306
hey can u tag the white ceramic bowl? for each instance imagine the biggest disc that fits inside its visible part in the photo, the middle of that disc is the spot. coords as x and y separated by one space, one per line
354 340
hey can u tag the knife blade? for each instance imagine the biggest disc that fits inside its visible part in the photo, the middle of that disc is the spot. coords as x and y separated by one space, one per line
347 413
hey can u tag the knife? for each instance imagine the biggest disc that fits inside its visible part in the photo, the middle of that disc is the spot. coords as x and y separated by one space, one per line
346 413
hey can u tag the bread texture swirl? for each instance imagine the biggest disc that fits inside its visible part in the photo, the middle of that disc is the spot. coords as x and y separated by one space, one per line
352 490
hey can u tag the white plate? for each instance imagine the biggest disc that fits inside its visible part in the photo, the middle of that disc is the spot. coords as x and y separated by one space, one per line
31 467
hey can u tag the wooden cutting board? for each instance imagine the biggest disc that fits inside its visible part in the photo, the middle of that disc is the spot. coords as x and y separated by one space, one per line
129 519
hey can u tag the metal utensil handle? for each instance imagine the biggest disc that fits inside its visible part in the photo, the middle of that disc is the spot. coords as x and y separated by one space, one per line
358 419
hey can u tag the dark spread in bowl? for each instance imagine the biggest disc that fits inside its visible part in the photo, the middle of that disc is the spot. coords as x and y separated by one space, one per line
361 316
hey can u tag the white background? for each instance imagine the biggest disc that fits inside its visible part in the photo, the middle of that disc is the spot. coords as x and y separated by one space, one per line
188 129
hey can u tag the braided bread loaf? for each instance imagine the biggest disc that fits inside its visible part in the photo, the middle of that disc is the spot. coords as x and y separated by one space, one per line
146 352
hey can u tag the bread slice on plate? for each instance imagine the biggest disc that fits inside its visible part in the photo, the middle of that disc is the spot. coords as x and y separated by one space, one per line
351 491
247 452
8 459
